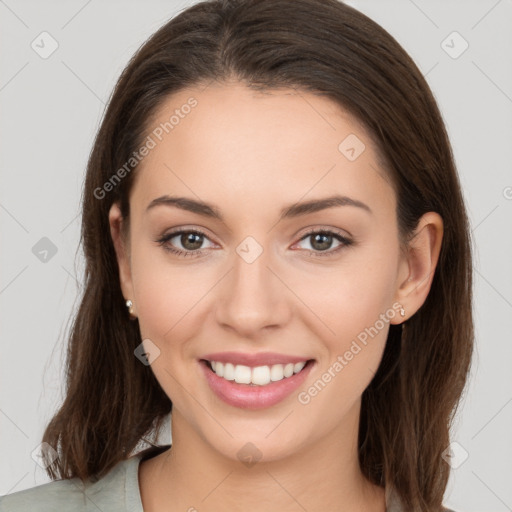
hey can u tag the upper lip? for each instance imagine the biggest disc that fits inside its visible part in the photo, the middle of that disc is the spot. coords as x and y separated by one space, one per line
257 359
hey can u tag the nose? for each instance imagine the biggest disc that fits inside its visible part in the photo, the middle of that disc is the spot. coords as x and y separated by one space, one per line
252 299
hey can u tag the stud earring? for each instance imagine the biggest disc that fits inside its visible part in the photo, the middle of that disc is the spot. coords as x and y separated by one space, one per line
402 311
129 305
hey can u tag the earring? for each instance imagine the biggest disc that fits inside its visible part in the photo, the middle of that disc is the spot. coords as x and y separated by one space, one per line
402 311
129 305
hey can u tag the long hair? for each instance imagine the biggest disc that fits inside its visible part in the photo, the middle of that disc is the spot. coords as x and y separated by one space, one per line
328 48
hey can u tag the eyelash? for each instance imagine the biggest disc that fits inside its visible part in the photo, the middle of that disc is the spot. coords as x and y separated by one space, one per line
345 242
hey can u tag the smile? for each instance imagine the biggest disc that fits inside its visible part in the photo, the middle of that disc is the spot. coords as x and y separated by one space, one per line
259 375
254 387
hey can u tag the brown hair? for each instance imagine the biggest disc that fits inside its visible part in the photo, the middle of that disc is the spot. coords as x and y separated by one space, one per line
327 48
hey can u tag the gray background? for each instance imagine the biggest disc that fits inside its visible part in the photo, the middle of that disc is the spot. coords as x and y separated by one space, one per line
51 109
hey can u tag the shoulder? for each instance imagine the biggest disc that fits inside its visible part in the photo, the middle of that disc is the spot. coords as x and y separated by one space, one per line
117 491
72 495
58 495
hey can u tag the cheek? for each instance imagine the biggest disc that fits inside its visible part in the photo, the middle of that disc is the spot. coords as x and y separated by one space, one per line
351 355
167 294
170 300
355 305
352 296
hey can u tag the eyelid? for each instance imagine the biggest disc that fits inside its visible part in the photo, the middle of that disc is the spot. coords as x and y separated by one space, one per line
326 229
186 229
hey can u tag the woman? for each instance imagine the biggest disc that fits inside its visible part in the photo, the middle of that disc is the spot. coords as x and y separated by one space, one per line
277 250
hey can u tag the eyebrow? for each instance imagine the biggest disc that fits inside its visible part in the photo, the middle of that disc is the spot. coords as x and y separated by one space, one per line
291 211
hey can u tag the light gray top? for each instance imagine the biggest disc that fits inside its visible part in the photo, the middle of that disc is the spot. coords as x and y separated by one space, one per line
117 491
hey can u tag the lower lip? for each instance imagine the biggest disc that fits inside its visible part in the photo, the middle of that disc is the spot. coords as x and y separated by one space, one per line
246 396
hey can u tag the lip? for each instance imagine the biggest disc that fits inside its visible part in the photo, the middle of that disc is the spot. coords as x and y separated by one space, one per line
246 396
256 359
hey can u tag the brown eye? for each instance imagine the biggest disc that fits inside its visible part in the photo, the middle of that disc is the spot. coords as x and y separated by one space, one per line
190 241
184 242
321 241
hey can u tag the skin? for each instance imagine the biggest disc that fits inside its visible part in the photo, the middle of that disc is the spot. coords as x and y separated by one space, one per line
251 154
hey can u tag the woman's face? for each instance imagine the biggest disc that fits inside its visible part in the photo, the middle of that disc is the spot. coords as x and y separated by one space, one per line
255 281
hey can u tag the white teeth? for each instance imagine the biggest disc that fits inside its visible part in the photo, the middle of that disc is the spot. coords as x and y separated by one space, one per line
259 375
288 370
298 367
229 371
276 372
242 374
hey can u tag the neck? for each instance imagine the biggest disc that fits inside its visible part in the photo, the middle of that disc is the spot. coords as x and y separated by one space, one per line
193 476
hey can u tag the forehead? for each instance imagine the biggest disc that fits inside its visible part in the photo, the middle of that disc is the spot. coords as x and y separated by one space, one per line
227 141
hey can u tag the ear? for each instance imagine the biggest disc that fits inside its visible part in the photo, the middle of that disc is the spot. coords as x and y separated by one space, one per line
418 265
122 248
